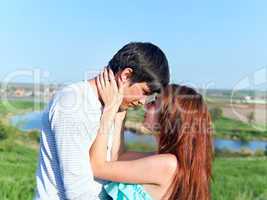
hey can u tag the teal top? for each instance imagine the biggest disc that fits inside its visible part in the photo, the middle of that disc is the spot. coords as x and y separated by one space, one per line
126 191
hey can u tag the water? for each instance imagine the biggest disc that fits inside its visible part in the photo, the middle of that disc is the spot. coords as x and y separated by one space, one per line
33 121
236 145
27 121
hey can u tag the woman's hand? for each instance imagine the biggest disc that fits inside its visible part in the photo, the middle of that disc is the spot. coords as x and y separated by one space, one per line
110 92
112 97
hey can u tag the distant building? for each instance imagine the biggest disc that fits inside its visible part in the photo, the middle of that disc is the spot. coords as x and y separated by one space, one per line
19 92
247 98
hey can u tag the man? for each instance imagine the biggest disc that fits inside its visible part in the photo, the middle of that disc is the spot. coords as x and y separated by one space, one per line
71 121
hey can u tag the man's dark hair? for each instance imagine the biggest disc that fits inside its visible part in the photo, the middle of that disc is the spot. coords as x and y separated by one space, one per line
148 62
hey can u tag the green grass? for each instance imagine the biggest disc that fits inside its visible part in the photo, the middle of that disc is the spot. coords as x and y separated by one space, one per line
18 159
234 179
16 106
234 129
17 171
229 124
240 179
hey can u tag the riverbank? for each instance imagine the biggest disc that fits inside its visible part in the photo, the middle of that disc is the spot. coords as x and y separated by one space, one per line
12 135
224 128
11 108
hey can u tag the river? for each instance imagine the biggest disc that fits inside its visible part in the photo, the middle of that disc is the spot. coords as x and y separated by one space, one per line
32 120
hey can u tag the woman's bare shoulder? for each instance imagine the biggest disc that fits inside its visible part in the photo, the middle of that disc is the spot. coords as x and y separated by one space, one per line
166 166
167 162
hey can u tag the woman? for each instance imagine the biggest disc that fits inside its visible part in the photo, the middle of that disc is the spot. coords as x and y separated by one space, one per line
181 167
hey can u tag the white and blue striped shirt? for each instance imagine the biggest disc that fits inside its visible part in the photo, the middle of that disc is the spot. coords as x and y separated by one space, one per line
70 124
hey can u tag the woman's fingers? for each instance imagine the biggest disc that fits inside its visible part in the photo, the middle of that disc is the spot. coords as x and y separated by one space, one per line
110 92
101 80
98 85
112 79
106 78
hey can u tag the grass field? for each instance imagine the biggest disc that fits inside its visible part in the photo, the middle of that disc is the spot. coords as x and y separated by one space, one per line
240 179
17 179
18 105
234 129
234 179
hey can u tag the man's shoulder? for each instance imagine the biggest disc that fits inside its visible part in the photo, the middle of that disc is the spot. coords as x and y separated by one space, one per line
73 94
71 90
76 98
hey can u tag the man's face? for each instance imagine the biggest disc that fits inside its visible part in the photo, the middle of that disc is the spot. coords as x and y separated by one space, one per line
135 95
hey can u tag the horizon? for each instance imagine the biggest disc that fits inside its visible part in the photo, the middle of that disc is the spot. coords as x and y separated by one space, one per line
208 89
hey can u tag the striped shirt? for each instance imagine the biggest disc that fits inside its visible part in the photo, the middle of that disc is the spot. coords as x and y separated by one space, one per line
69 126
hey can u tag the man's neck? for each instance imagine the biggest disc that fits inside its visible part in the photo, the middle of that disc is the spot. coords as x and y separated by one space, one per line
92 83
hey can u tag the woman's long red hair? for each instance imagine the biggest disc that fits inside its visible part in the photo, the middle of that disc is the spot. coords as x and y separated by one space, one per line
186 133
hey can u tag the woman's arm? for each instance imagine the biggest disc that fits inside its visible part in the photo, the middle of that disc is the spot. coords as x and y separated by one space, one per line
118 146
155 169
134 155
118 151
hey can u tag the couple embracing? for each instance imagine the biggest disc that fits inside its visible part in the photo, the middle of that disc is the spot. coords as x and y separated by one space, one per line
82 153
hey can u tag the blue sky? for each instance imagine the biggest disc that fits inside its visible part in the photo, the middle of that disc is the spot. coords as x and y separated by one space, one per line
213 43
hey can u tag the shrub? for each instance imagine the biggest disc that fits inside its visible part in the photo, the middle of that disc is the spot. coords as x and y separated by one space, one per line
216 113
34 135
251 117
259 153
3 132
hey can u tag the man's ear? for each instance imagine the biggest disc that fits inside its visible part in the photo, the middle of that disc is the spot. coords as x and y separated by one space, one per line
125 75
